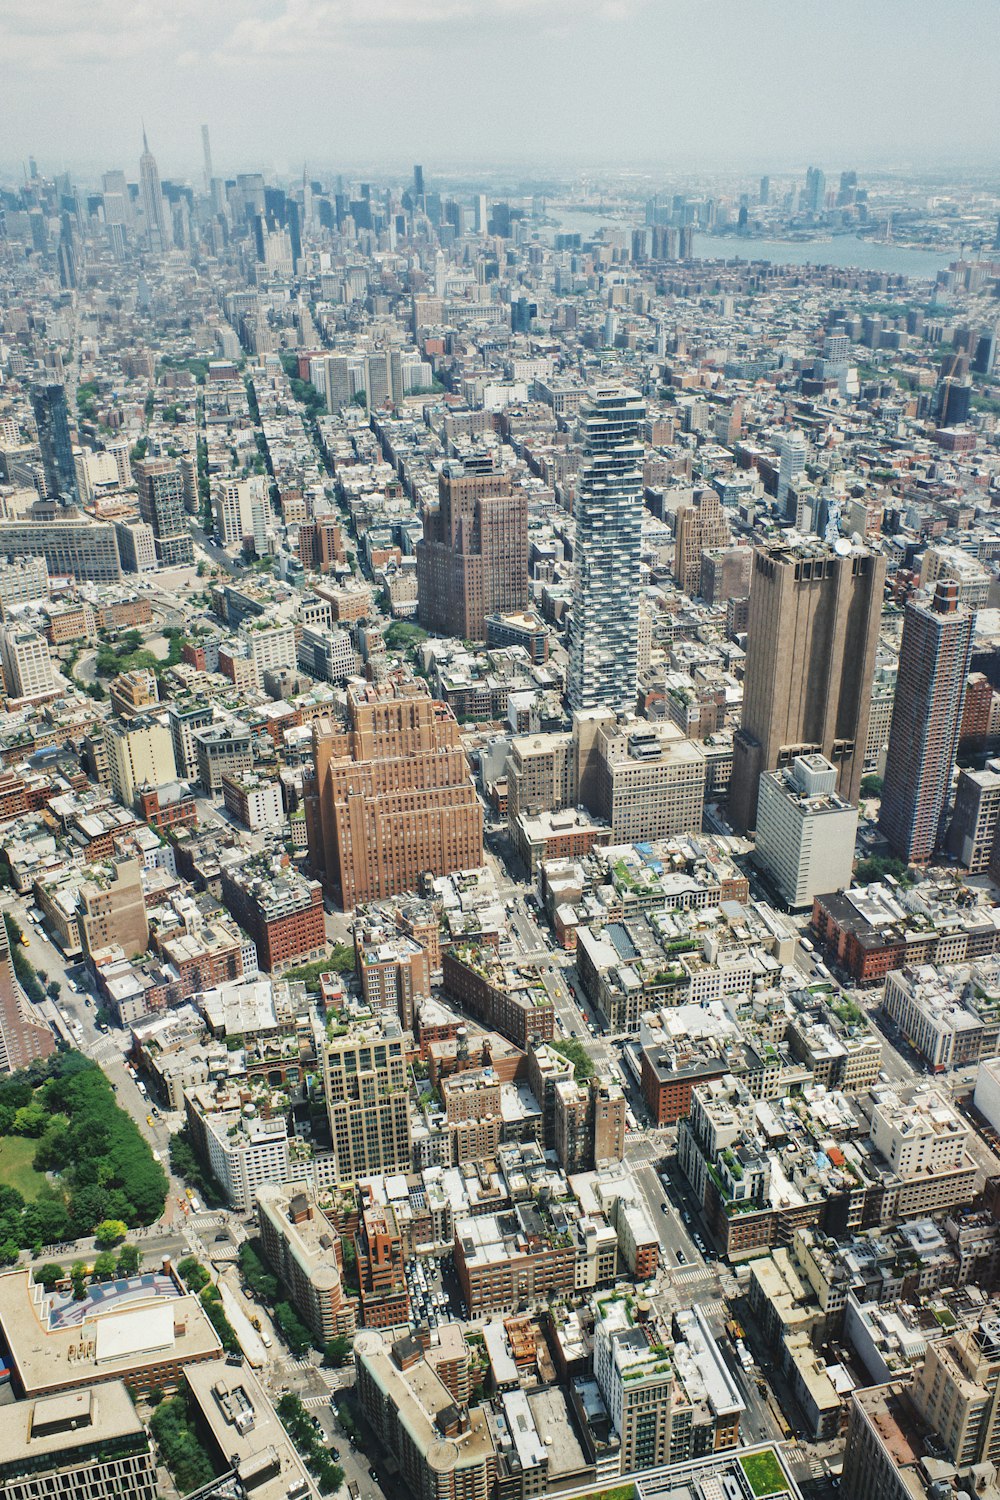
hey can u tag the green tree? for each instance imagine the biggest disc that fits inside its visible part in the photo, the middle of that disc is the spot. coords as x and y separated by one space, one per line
105 1265
78 1276
129 1260
53 989
338 1351
295 1333
48 1275
871 786
110 1232
31 1119
193 1274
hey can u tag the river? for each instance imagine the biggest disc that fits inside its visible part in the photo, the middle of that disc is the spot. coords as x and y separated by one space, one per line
844 250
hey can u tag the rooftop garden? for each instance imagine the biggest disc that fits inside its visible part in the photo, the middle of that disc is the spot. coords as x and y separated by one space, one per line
764 1473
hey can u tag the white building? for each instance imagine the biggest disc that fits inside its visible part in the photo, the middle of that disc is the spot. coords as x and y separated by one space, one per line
27 666
327 654
805 832
244 1152
919 1136
270 646
140 751
231 510
987 1095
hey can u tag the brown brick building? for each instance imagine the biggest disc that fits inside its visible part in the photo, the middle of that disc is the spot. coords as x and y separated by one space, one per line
283 914
473 558
391 799
321 545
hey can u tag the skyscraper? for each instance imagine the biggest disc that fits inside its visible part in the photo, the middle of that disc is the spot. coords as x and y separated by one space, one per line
765 191
161 506
48 402
152 199
792 462
206 148
365 1079
418 183
604 627
472 560
935 657
699 526
813 628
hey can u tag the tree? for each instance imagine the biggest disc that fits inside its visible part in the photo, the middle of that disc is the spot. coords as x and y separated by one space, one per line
129 1260
53 989
48 1275
78 1276
871 786
337 1351
110 1231
105 1265
295 1333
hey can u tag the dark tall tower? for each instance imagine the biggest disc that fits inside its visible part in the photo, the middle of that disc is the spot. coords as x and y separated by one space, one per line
48 402
935 658
813 628
473 558
418 183
161 506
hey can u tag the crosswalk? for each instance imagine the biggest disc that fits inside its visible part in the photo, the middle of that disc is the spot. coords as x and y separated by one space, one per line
297 1364
315 1403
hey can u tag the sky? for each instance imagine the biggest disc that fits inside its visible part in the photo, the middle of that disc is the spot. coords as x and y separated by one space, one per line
543 85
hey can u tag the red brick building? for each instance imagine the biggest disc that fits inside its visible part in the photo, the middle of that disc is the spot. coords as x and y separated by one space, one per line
282 914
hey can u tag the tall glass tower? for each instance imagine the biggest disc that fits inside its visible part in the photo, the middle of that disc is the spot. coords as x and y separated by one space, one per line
48 402
604 627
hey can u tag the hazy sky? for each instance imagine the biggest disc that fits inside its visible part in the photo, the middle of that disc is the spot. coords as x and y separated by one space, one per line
760 84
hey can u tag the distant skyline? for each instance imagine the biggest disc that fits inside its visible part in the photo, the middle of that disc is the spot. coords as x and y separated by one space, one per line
544 85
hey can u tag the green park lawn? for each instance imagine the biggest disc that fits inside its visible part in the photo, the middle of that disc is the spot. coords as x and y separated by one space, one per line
16 1155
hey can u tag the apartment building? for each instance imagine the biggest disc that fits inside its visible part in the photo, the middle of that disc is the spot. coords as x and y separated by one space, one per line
243 1150
112 908
303 1249
391 799
444 1450
365 1083
87 549
958 1393
506 1260
473 558
27 666
140 753
699 526
254 801
378 1245
281 913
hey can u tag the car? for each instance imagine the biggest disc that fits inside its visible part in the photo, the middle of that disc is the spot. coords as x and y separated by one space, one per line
663 1208
335 1454
222 1239
681 1258
149 1119
373 1474
248 1294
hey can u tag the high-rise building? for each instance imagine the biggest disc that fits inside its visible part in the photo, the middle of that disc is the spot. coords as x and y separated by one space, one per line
765 191
813 628
321 545
231 511
391 799
418 182
301 1244
23 1036
792 462
473 558
87 549
161 506
152 200
140 752
935 658
699 526
206 149
957 1392
604 627
805 832
365 1080
27 665
48 402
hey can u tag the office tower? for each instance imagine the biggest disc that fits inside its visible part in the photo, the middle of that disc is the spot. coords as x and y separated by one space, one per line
152 200
792 462
161 506
685 242
418 183
365 1081
482 213
815 193
27 665
935 658
954 400
805 832
23 1037
390 800
699 526
206 149
472 560
957 1392
117 199
80 1445
378 380
604 625
765 191
140 752
812 631
48 402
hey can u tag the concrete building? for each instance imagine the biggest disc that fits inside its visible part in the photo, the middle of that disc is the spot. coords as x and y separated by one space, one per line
935 658
650 782
365 1084
805 832
112 908
473 558
136 545
140 752
161 506
958 1393
244 1438
976 816
22 580
303 1249
604 625
814 621
698 527
270 647
726 574
391 799
254 801
87 549
27 666
222 750
444 1450
243 1150
949 1016
232 511
80 1445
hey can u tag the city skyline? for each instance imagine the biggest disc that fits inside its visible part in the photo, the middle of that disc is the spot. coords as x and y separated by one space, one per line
598 81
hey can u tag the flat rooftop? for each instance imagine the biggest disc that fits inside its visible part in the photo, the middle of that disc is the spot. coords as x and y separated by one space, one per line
53 1426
